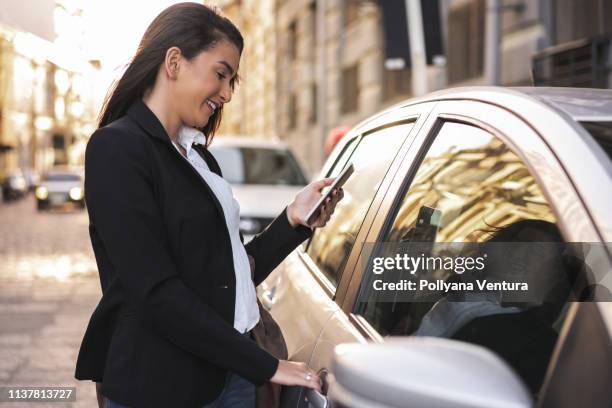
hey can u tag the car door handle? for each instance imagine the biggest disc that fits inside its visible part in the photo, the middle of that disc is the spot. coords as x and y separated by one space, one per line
314 399
324 384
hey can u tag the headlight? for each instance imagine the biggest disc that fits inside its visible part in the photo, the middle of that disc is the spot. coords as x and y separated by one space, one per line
249 226
17 183
42 193
76 193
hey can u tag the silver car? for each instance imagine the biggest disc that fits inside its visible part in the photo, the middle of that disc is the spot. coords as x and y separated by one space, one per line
59 187
265 177
452 165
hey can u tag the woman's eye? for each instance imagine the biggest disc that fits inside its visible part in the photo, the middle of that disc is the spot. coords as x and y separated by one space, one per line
220 75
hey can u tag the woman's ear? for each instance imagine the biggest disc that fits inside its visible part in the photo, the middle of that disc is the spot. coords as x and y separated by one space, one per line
172 62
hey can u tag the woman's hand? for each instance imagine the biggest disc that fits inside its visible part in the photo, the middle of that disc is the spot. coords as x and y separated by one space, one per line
292 373
307 198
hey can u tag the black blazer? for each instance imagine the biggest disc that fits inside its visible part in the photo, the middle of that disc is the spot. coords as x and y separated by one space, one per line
162 334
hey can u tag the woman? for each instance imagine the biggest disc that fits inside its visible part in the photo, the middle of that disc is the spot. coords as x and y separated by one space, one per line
172 327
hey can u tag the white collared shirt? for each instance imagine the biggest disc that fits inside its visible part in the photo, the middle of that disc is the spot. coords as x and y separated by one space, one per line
246 312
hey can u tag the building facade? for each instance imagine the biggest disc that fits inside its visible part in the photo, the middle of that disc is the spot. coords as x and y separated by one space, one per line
330 62
328 70
47 103
253 108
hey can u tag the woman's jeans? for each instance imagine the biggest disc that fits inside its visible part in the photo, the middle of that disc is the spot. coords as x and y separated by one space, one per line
238 393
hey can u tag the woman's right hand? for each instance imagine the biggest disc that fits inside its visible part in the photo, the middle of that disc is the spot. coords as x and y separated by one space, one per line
293 373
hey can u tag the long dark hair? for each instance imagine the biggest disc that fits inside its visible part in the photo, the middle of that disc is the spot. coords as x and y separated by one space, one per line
193 28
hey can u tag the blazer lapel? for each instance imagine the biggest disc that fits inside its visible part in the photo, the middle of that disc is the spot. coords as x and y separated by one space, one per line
147 121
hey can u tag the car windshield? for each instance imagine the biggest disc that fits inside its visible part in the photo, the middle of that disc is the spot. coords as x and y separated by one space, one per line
602 133
254 165
62 177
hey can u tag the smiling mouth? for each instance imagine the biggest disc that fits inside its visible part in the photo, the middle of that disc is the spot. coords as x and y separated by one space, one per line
211 105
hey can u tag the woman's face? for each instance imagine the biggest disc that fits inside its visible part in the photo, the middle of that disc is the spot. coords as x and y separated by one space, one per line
204 81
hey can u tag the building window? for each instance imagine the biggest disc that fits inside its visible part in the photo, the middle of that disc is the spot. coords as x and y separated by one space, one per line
578 19
292 109
292 38
351 12
313 29
313 103
50 93
583 65
397 83
58 142
466 41
350 89
586 63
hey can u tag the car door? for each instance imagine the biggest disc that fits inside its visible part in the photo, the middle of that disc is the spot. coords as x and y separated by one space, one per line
302 293
478 166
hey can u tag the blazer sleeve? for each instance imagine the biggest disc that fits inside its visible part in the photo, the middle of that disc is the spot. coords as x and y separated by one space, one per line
273 244
122 205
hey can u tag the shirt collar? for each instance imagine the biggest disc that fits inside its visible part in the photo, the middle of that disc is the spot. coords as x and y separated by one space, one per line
187 136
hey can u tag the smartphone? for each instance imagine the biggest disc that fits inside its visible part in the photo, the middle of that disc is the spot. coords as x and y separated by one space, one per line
426 227
337 184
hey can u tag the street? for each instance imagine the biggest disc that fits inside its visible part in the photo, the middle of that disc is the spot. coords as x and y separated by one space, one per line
48 288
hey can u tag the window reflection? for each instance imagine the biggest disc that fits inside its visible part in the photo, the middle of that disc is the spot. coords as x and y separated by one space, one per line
469 188
475 182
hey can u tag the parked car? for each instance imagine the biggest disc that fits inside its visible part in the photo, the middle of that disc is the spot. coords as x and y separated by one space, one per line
61 186
454 164
265 177
14 185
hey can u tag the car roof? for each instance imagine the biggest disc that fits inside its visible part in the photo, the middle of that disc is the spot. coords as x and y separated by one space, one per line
579 104
248 141
582 104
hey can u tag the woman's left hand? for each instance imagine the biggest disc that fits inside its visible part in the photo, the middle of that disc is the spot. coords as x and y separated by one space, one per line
307 198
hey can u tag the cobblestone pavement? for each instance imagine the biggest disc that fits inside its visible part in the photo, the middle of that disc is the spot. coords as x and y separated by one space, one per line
48 289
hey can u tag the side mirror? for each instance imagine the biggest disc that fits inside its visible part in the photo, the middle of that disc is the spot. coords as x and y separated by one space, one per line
423 372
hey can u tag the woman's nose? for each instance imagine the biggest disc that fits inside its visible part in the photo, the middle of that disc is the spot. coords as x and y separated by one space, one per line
226 93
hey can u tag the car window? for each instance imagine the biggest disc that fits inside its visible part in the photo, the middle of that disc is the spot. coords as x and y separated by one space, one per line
330 246
343 158
469 188
337 167
251 165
